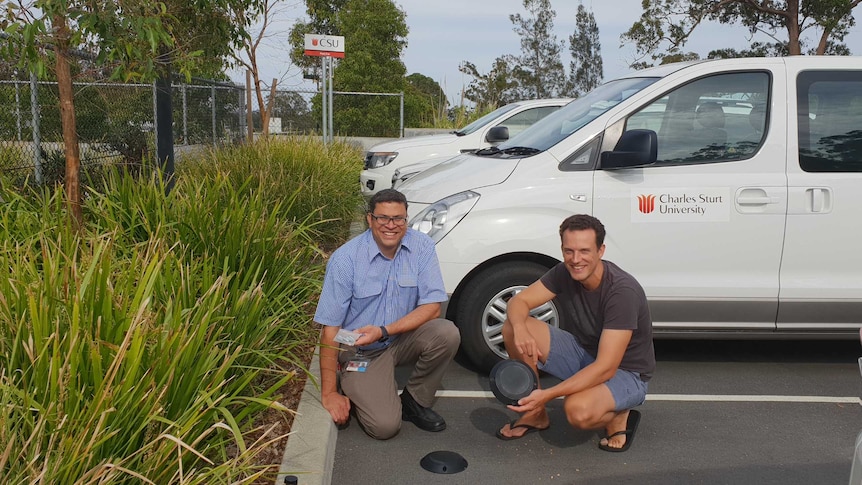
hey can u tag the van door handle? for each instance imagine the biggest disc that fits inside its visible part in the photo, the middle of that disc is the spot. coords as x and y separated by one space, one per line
578 197
755 196
821 199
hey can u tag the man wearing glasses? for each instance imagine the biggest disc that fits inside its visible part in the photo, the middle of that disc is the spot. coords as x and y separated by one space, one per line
386 287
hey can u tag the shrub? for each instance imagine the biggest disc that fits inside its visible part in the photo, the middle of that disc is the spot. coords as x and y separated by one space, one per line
139 350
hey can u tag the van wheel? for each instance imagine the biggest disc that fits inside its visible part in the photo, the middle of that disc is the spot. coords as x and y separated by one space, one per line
482 310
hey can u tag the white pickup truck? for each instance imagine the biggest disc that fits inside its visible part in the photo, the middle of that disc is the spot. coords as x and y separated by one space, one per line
383 159
731 189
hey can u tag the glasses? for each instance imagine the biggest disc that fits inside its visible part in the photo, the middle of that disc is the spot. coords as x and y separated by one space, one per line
386 220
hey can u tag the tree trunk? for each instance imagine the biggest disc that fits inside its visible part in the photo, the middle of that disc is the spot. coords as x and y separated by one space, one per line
793 47
70 129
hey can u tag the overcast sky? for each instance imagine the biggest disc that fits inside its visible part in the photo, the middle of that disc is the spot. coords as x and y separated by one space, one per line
444 33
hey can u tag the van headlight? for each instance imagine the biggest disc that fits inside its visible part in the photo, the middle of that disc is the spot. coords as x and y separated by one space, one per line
440 217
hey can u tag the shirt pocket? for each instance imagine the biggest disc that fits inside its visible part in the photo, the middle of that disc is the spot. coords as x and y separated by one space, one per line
367 287
408 280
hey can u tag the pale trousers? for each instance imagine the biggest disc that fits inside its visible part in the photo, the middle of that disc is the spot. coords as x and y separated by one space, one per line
374 393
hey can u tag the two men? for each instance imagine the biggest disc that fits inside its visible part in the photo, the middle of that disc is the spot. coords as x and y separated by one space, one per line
385 285
603 350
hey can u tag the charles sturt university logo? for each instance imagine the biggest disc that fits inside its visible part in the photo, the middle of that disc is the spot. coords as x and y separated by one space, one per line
646 203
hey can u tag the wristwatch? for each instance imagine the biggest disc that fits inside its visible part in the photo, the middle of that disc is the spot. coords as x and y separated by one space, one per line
385 335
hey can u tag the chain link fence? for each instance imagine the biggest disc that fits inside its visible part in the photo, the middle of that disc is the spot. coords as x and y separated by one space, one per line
115 121
356 114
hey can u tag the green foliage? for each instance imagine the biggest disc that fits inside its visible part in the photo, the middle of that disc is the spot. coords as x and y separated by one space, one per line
666 25
139 351
375 34
494 89
294 111
425 102
540 73
293 165
585 70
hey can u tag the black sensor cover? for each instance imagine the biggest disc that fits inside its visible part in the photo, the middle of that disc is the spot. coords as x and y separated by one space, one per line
512 380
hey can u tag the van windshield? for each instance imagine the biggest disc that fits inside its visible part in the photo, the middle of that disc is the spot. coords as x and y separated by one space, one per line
485 119
558 125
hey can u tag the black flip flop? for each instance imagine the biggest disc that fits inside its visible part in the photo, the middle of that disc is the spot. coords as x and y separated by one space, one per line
530 428
631 426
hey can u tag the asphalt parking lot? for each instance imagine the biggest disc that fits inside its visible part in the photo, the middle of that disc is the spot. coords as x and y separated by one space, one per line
717 412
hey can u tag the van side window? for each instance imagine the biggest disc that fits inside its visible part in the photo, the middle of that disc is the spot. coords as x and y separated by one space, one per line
829 114
523 120
713 119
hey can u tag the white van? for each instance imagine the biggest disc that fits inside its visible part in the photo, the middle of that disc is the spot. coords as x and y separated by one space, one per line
383 159
731 189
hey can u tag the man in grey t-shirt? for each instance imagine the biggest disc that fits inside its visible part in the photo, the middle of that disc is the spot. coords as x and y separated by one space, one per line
603 350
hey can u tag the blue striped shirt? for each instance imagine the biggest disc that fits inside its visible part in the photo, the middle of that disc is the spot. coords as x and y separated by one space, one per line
363 287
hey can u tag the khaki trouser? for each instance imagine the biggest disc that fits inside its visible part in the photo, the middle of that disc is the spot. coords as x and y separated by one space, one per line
374 393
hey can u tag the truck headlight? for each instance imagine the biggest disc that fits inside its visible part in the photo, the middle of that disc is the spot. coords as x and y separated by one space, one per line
440 217
379 159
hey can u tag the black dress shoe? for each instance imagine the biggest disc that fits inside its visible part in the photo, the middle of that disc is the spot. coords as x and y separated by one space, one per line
422 417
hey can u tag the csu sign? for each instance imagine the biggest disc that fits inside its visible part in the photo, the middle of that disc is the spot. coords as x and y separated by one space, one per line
324 45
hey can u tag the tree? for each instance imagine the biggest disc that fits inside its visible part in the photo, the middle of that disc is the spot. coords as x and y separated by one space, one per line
247 56
294 111
494 89
133 39
430 100
46 32
324 20
540 73
585 71
375 33
665 25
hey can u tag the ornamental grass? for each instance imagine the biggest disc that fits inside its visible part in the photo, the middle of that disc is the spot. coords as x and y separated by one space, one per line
141 349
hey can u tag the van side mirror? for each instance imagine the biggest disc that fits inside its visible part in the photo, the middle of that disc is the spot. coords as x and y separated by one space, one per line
636 148
497 134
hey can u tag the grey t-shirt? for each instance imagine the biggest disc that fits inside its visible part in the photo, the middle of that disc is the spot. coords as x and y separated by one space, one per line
618 303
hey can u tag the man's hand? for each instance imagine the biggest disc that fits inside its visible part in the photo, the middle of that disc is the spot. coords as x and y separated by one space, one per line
534 402
338 406
370 334
526 345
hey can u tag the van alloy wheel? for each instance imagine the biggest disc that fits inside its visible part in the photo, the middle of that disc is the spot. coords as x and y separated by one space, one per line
482 310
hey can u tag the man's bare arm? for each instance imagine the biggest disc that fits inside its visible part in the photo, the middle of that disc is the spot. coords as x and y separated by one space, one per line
337 405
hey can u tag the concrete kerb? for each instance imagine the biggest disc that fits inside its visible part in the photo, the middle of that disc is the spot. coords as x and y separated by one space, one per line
310 450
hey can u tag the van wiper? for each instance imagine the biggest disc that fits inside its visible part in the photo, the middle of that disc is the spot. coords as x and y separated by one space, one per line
487 151
458 133
525 151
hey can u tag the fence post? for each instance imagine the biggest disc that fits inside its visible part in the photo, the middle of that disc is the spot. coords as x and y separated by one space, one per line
248 118
37 139
155 122
402 114
185 116
18 105
213 93
241 104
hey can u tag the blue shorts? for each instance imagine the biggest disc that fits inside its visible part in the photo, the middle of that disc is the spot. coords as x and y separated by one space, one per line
567 357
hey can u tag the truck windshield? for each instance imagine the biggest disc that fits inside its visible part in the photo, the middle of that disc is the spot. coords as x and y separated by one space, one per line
486 119
553 128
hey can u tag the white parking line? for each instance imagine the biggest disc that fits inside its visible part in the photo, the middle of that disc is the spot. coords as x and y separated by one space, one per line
696 397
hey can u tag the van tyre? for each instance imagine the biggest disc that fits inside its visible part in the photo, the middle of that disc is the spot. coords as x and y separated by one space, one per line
482 309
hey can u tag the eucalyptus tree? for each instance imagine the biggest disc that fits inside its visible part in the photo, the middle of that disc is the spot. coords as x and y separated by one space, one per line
540 71
134 40
585 70
499 86
666 25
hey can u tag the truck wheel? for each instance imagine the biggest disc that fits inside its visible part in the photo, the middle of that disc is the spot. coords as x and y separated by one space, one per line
482 310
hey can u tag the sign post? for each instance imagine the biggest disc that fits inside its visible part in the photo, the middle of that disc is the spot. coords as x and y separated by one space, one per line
326 47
